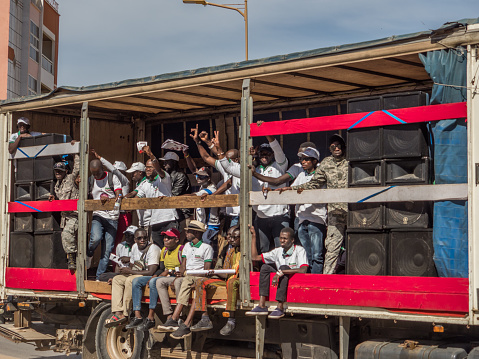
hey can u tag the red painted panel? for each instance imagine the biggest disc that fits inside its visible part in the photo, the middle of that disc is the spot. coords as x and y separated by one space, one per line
43 206
377 118
395 293
40 279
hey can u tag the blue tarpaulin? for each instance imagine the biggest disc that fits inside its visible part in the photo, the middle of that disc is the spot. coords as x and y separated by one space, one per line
447 68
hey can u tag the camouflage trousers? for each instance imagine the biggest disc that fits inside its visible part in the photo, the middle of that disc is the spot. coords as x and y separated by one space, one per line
69 234
333 242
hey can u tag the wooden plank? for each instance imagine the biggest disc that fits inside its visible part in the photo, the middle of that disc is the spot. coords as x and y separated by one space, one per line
42 206
395 293
55 149
40 279
128 204
416 193
23 334
360 120
216 293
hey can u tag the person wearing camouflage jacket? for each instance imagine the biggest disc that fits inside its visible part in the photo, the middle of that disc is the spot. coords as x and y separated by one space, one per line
67 188
333 171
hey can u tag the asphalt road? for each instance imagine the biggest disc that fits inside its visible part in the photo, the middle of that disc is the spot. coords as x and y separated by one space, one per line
9 350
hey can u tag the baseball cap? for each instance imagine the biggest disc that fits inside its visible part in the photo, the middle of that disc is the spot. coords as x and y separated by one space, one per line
24 120
265 147
60 166
309 152
170 156
337 137
119 165
137 166
172 232
203 171
195 225
131 229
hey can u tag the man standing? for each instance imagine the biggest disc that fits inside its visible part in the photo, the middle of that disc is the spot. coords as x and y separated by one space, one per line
23 126
137 170
65 188
103 186
332 171
157 184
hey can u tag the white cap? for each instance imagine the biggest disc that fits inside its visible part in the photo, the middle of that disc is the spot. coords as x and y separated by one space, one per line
24 120
309 152
137 166
120 165
170 156
131 229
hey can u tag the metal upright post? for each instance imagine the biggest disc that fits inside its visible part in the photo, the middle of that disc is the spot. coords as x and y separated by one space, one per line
245 214
82 215
344 326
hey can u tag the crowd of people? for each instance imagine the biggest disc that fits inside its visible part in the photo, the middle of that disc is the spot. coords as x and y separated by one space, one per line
167 244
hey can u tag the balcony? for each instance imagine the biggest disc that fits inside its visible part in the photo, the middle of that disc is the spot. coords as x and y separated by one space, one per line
47 64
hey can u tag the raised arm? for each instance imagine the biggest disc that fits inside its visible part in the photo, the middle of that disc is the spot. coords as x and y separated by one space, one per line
155 162
279 155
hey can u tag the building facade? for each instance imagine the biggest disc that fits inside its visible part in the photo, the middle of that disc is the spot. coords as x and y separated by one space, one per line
29 31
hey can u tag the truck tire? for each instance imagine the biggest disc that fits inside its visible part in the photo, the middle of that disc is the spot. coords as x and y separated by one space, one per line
119 343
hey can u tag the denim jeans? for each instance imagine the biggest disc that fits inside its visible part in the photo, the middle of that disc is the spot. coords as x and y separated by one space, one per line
311 236
268 230
102 230
137 291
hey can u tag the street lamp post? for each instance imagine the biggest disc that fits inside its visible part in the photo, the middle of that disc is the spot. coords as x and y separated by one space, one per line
240 8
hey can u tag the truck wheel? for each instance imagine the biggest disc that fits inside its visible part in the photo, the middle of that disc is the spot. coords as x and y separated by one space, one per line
119 343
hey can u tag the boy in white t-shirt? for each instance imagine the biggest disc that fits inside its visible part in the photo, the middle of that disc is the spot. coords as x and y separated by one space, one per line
288 259
196 255
144 260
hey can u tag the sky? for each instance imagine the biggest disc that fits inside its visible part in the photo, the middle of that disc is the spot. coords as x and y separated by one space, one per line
114 40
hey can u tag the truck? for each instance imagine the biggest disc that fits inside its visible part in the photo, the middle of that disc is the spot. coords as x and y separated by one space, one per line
397 299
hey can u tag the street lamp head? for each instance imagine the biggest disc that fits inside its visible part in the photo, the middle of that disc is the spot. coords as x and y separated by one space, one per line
201 2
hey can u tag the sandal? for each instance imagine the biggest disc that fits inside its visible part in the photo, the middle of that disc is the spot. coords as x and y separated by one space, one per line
114 321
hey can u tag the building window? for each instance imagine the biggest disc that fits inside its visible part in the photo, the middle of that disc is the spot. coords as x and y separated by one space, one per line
34 41
32 85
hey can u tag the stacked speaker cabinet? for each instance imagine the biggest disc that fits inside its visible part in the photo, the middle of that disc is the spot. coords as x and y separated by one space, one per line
35 241
389 156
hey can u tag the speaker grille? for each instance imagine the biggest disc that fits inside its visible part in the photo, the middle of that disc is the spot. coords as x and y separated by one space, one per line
44 190
408 214
364 144
49 251
47 221
407 171
25 170
365 173
412 254
366 253
365 104
21 250
404 141
44 168
23 222
24 191
365 216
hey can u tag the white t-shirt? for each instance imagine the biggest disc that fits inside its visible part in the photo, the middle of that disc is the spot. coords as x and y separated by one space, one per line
152 257
100 187
209 218
125 183
295 258
317 212
157 188
123 249
275 169
197 255
234 189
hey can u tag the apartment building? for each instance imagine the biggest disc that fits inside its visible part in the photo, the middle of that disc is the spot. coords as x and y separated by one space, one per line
29 31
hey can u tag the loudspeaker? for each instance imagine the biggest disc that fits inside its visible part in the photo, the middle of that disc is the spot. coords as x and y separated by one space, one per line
407 171
408 214
44 169
367 173
21 250
44 190
47 221
25 170
411 254
365 104
24 192
404 100
27 142
367 253
400 141
49 251
364 144
23 222
51 138
366 216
